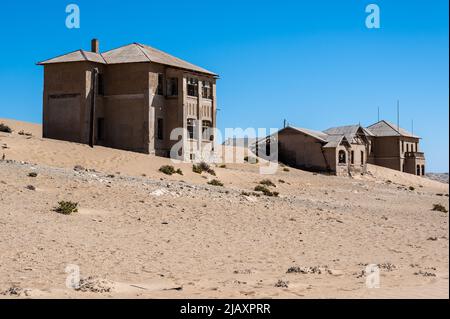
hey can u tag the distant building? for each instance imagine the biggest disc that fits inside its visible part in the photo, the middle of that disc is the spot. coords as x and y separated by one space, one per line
396 148
346 150
128 98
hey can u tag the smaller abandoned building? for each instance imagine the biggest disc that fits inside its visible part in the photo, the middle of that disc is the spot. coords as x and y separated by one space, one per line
340 150
129 98
346 150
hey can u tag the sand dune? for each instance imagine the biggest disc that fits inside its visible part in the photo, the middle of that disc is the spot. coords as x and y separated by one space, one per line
140 233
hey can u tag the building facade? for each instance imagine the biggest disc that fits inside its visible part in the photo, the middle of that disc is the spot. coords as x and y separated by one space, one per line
346 150
396 148
130 98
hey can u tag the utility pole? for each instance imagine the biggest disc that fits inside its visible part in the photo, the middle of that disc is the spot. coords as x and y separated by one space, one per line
284 123
93 105
378 114
398 115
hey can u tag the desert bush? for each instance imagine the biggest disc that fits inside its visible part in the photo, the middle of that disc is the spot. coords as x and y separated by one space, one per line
267 182
203 167
32 174
5 128
223 166
439 208
266 191
31 187
215 182
286 169
22 132
170 170
281 181
411 188
66 208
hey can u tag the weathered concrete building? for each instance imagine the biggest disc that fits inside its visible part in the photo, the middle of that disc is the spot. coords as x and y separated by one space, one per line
396 148
346 150
128 98
339 150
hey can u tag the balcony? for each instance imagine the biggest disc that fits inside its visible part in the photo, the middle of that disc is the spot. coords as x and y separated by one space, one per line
414 155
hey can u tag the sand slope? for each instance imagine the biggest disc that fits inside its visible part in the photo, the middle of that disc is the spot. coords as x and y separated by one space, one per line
175 236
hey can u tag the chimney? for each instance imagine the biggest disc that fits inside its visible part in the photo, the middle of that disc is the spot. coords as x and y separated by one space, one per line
95 46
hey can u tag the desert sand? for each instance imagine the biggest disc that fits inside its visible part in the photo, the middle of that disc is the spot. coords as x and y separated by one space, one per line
141 234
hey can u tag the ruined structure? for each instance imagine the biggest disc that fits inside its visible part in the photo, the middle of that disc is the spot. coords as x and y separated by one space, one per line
129 98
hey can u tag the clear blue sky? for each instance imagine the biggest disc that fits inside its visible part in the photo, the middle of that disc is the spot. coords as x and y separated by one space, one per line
311 62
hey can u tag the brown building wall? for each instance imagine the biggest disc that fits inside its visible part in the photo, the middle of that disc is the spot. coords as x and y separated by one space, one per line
300 150
128 109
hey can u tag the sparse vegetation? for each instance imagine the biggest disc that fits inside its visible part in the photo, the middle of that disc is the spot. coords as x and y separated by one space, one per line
32 174
267 182
266 191
223 166
203 167
22 132
66 208
411 188
439 208
31 187
215 182
170 170
243 193
5 128
286 169
281 181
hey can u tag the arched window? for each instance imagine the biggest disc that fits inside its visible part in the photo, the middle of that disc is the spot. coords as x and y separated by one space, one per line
342 157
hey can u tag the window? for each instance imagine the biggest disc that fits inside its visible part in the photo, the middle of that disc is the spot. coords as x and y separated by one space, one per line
407 147
206 125
402 145
418 170
352 157
207 90
100 129
362 157
100 85
192 87
423 170
190 128
160 89
160 129
172 87
342 157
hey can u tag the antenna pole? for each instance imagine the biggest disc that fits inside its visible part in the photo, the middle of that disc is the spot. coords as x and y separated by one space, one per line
398 115
378 114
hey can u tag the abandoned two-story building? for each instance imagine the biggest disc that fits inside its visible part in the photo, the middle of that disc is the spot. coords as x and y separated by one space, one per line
347 150
128 98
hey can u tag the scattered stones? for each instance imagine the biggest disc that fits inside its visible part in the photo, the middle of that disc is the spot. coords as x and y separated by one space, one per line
96 285
30 187
308 270
424 273
282 284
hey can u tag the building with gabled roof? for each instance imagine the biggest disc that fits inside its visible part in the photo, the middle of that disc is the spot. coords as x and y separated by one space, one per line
346 150
396 148
130 98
